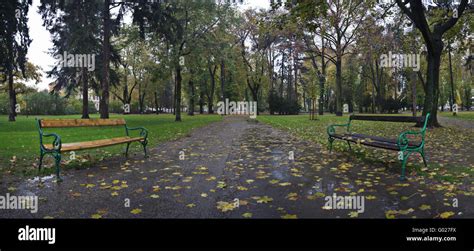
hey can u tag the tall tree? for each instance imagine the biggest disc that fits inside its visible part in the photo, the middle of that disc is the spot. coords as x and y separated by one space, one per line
75 30
253 51
180 23
314 50
110 26
104 81
14 43
432 30
339 28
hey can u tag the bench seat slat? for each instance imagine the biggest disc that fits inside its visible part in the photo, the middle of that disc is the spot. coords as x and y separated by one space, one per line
401 119
60 123
368 140
67 147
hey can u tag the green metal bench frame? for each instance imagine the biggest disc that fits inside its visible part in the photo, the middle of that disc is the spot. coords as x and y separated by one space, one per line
403 142
57 144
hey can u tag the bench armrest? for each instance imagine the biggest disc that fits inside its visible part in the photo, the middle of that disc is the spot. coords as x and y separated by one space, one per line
143 131
403 141
56 142
332 128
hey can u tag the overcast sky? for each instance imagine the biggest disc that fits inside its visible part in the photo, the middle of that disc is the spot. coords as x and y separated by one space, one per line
38 51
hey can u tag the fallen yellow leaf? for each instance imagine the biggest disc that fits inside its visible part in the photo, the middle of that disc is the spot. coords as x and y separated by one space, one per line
96 216
136 211
247 215
425 207
353 214
446 215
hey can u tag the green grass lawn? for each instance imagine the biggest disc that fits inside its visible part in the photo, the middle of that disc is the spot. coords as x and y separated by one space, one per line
461 115
19 141
449 150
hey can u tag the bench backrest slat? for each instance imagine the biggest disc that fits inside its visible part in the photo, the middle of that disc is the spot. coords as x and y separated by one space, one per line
389 118
61 123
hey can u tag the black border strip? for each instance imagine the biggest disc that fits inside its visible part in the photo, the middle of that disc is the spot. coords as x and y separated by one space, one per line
242 234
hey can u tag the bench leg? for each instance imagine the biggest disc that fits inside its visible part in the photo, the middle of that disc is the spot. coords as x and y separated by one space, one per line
126 151
57 157
404 163
144 143
402 177
422 152
330 144
349 144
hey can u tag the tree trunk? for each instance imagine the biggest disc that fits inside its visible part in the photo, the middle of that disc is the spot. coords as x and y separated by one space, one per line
201 101
295 66
178 93
191 99
126 98
339 86
321 95
174 96
210 106
289 76
141 101
304 100
413 94
254 92
282 75
432 86
85 95
156 103
322 79
210 96
451 79
104 101
378 88
12 95
222 80
373 99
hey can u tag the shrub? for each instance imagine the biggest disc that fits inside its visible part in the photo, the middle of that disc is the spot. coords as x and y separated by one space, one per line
74 106
43 103
4 103
392 105
115 106
282 105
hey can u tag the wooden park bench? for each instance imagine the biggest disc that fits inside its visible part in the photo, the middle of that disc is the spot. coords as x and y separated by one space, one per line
408 142
57 147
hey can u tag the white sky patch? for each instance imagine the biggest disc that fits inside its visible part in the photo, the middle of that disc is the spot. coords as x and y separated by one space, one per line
39 47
